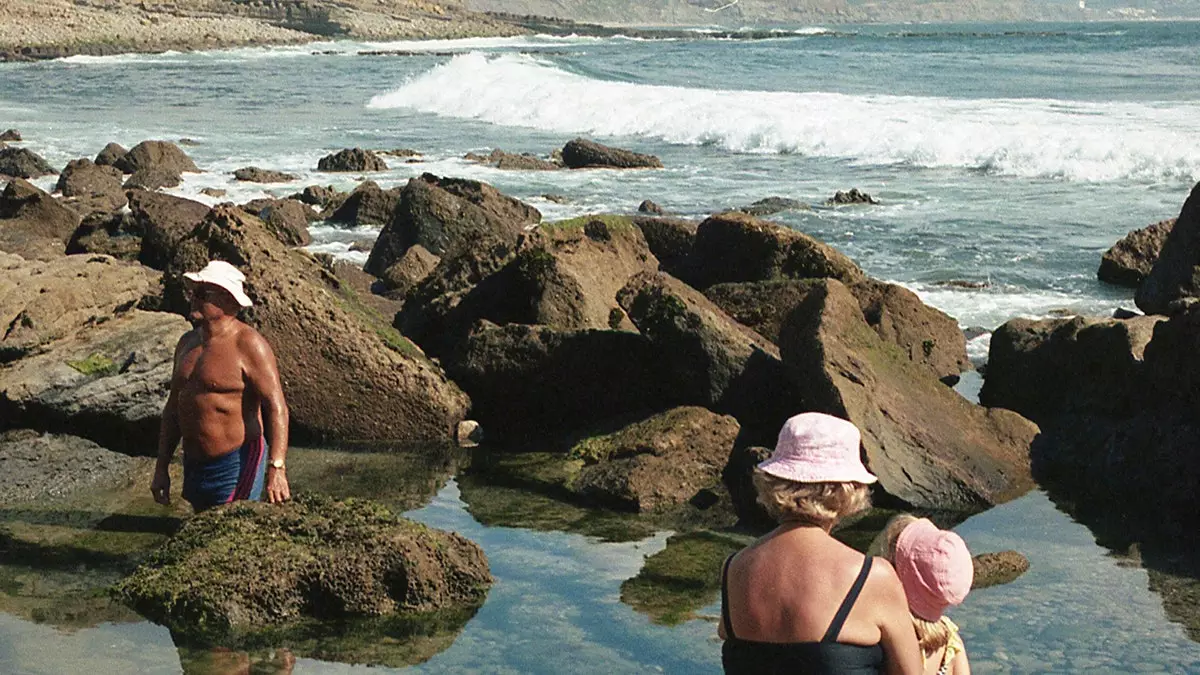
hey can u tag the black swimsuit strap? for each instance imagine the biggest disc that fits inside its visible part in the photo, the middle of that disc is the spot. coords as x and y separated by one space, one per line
725 600
844 611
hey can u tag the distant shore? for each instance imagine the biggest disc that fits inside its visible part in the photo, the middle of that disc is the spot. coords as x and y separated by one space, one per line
47 29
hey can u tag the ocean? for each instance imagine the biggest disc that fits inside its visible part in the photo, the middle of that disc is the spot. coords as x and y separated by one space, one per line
1006 158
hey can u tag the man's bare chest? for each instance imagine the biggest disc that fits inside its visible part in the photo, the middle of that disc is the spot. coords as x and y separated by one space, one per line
211 369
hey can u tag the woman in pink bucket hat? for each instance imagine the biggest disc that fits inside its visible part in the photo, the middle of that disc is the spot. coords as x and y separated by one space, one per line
936 571
798 600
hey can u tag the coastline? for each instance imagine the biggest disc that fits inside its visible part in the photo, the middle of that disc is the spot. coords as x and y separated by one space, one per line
47 29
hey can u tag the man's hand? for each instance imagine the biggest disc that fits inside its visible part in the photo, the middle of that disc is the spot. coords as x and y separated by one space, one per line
160 487
277 486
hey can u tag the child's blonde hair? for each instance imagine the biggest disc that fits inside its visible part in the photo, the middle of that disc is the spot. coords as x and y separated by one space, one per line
931 635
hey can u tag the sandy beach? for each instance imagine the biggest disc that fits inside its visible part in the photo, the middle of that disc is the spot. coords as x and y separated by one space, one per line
38 29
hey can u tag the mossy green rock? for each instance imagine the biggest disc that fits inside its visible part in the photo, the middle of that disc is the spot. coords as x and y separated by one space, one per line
682 578
255 567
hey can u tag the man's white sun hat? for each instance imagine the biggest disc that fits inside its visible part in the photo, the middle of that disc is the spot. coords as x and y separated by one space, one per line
221 273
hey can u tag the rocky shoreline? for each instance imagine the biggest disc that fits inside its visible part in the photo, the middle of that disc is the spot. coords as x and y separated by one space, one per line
46 29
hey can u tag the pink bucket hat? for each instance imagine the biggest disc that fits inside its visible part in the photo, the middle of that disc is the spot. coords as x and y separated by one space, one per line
816 448
934 567
221 273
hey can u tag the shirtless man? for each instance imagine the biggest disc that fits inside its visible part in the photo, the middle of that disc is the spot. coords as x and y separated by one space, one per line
225 396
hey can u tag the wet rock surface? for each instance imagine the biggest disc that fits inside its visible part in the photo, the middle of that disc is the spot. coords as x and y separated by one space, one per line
1129 260
584 154
325 559
352 159
32 466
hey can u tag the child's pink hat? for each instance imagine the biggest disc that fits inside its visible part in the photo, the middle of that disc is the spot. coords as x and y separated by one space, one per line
816 448
934 567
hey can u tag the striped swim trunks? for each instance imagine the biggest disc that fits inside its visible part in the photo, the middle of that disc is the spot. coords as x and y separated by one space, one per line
235 476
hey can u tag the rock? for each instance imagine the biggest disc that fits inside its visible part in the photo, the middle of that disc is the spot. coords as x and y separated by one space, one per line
853 196
441 308
650 207
155 157
213 192
153 179
41 302
714 361
1045 368
469 434
91 188
164 221
1129 261
114 234
556 199
189 142
928 445
253 174
11 135
530 382
32 223
110 155
355 159
735 246
584 154
928 336
398 152
670 240
33 466
406 273
1174 275
287 219
773 205
366 205
1125 313
659 462
327 560
347 373
509 161
321 197
1001 567
442 214
107 383
23 163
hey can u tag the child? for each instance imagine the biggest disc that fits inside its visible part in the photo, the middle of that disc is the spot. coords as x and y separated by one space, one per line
936 571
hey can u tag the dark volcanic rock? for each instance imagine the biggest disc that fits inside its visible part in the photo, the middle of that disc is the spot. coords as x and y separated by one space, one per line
1045 368
1129 261
514 162
114 234
153 179
853 196
33 462
321 197
1176 274
406 273
714 361
325 560
534 381
347 373
156 156
443 214
659 462
366 205
354 159
650 207
670 239
164 221
582 154
928 445
32 223
287 219
772 205
735 246
253 174
23 163
110 155
10 135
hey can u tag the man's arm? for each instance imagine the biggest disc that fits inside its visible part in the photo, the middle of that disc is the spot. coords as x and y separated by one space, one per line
262 373
168 433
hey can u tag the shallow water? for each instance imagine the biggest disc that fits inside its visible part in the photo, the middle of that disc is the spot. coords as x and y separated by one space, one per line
556 604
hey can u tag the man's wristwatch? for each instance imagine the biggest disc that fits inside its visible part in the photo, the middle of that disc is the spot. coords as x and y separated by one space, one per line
276 464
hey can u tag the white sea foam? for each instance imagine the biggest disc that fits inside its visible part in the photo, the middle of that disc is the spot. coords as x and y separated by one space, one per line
1035 138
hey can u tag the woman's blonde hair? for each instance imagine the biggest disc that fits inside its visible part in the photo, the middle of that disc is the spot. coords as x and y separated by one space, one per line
820 504
931 635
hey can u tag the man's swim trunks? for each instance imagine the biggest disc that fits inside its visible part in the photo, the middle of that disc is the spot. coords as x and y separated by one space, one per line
235 476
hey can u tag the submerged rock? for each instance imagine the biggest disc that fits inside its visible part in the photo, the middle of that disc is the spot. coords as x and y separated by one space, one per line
32 466
1001 567
772 205
252 566
683 578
